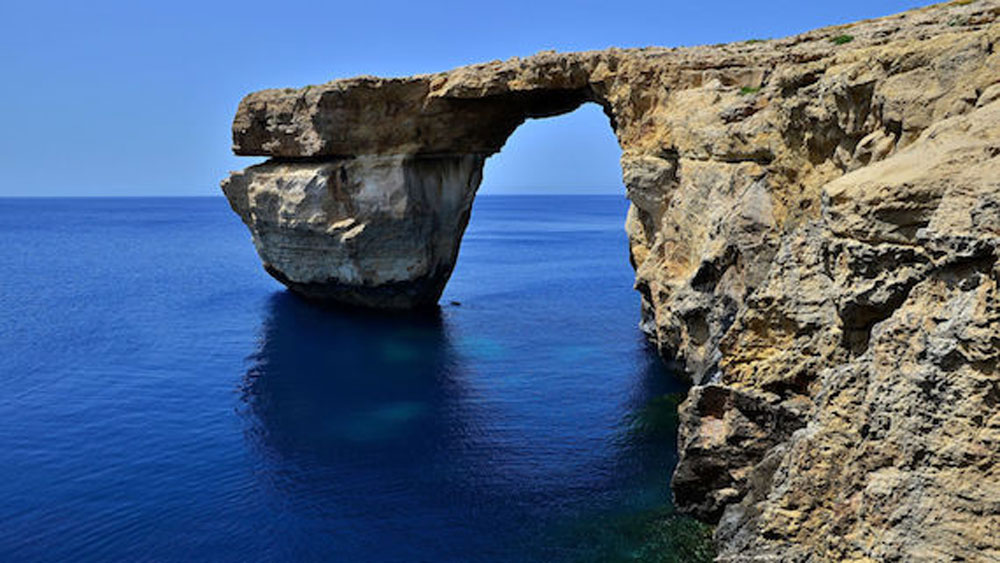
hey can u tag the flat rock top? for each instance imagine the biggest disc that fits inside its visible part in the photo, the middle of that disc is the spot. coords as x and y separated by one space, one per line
343 117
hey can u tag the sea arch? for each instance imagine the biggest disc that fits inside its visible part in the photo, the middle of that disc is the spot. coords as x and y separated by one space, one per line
370 183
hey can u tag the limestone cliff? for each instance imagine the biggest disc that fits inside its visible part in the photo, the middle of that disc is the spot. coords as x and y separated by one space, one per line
815 227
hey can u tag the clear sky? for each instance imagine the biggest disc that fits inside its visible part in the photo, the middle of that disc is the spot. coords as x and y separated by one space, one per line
136 98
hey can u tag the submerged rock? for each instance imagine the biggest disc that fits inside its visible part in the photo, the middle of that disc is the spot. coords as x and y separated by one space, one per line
815 228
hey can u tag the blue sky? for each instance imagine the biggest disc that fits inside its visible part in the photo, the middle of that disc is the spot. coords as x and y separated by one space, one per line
136 98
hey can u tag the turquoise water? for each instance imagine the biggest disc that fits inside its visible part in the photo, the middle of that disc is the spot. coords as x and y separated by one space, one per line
165 400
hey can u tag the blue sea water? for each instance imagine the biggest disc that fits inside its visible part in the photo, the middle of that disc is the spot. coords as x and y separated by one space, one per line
165 400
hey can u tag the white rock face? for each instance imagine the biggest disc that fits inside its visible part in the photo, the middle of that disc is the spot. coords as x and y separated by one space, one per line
373 231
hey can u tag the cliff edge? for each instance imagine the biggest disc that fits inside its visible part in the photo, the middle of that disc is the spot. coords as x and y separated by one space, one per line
815 229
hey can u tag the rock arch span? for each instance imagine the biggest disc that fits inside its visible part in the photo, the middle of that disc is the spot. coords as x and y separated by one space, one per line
800 208
371 181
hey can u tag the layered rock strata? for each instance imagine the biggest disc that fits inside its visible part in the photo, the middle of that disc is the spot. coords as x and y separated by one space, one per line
815 227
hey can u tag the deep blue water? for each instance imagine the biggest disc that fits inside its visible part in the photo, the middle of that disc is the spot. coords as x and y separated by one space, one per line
163 399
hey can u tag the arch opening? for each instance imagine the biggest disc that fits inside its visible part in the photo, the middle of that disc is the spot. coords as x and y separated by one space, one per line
366 198
571 153
552 175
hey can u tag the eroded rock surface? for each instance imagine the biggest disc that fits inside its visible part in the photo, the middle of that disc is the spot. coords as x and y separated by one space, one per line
814 225
375 230
889 344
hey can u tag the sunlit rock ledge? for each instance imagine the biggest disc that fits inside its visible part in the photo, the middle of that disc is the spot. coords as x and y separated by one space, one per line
814 224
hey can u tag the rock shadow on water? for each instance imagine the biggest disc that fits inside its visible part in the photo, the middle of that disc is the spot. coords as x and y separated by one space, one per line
641 524
348 417
327 382
362 429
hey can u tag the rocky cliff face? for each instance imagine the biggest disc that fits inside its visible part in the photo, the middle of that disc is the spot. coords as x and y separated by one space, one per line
815 227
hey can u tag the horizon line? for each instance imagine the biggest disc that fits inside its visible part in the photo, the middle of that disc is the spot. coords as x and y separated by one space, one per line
222 196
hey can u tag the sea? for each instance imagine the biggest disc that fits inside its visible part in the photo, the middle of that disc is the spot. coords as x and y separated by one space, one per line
163 399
